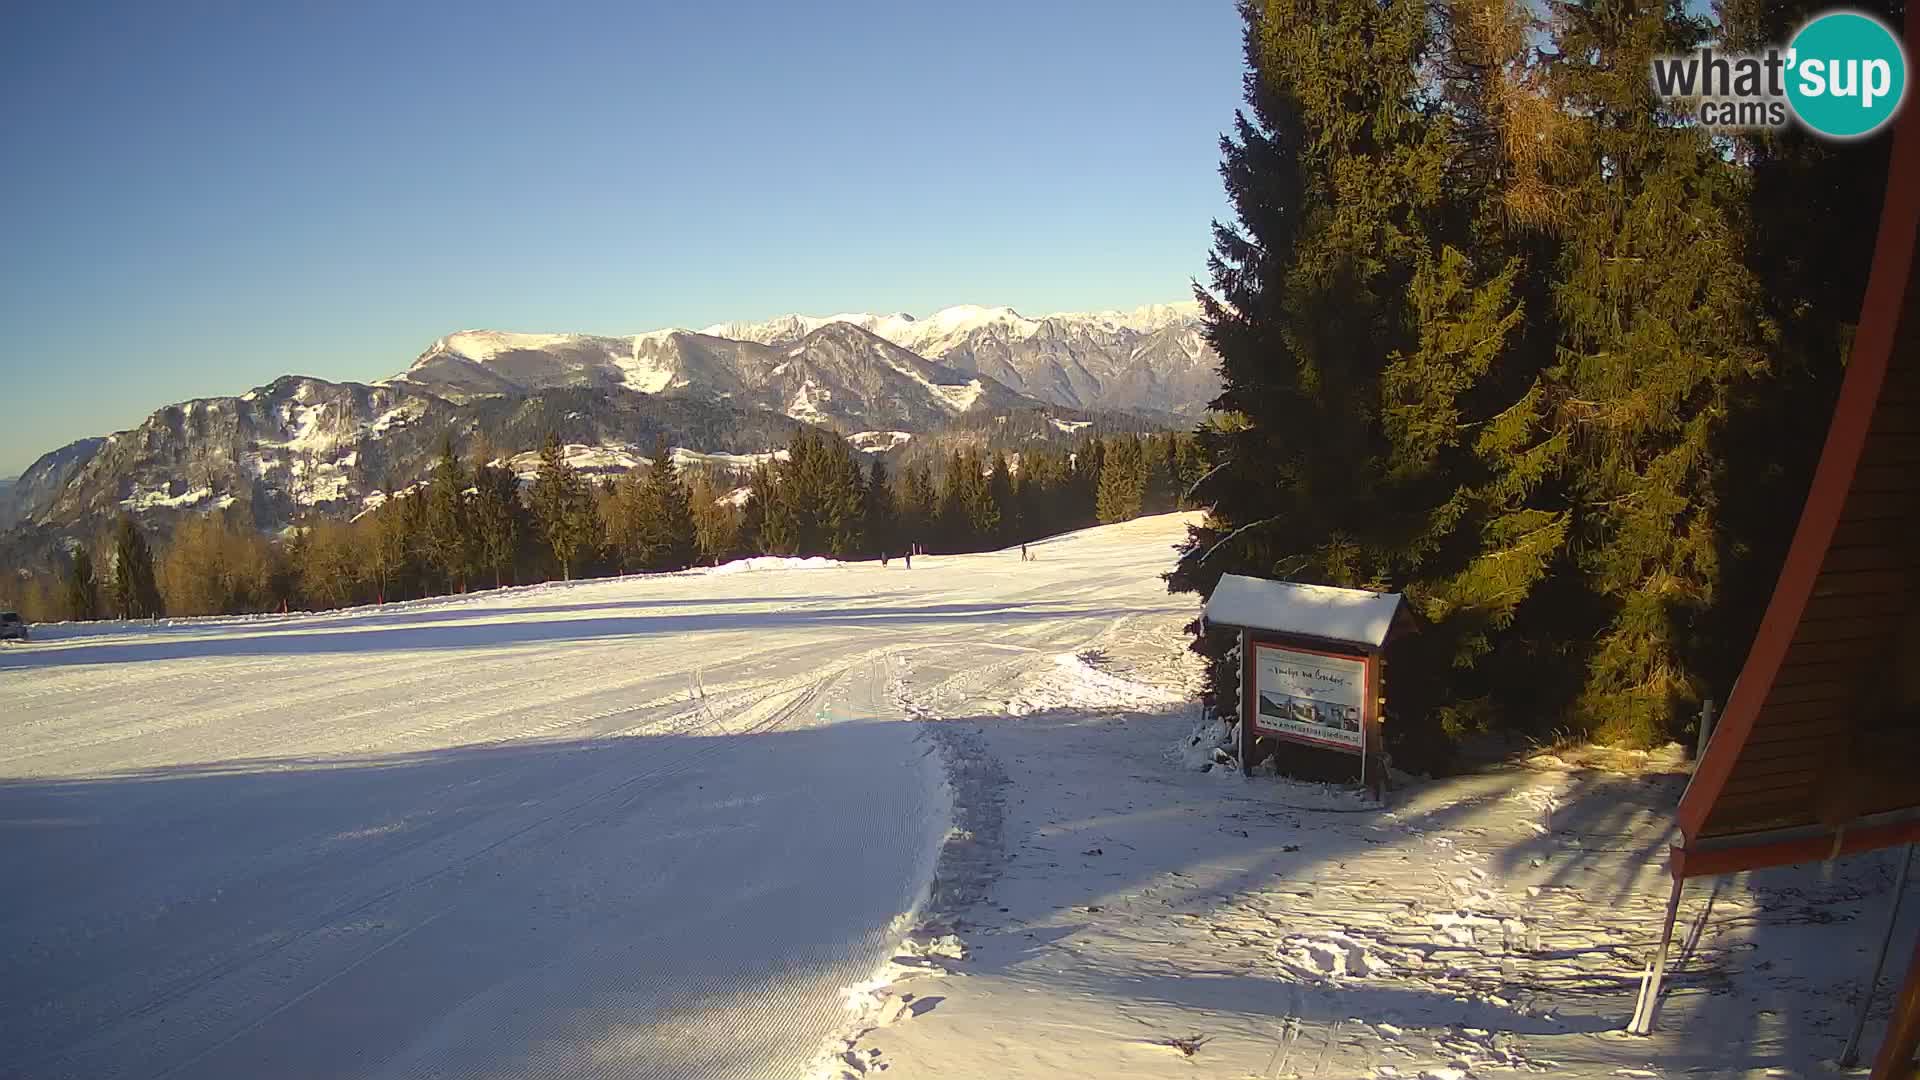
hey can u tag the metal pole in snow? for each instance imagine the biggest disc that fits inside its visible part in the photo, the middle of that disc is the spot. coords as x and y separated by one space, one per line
1706 729
1852 1053
1643 1012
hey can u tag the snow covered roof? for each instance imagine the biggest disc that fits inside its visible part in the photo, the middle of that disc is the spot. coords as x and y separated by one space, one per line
1320 611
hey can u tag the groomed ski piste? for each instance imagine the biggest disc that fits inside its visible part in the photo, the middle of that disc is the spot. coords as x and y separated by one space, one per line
793 819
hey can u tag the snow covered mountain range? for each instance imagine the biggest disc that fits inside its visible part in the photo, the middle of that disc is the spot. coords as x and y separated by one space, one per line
1150 359
301 444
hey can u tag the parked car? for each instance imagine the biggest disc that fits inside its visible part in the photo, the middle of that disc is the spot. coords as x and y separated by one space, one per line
12 626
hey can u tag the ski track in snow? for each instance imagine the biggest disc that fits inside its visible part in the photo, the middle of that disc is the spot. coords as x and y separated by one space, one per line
672 826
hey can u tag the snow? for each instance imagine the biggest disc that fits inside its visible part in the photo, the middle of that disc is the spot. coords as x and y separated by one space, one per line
395 417
803 407
598 460
606 459
684 457
762 820
484 345
962 398
947 327
879 442
774 562
645 374
157 498
1319 611
1070 426
1140 320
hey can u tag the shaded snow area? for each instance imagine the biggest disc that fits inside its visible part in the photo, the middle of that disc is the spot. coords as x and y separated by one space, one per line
804 819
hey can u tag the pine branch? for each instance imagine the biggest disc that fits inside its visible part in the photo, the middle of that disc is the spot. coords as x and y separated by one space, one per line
1223 541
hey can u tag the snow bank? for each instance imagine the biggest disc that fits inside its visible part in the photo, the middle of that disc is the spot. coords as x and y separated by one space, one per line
774 562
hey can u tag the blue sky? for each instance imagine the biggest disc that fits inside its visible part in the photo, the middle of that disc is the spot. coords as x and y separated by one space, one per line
195 198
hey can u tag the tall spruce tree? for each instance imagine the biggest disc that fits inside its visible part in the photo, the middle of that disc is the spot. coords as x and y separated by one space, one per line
83 593
771 523
669 528
882 513
450 531
562 508
135 591
626 513
1379 427
498 520
1006 510
1123 481
919 505
1661 329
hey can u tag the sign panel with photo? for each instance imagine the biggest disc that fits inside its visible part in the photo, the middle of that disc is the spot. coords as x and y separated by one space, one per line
1310 697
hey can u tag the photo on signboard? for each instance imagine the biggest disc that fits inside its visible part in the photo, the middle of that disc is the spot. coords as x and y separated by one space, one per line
1307 696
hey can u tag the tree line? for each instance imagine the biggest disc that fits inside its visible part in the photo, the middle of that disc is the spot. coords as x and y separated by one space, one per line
474 524
1505 332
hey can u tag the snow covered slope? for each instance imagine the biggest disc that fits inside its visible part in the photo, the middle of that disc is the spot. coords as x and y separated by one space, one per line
641 827
656 826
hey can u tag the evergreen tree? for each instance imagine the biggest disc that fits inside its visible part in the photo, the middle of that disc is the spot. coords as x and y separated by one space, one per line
919 506
1005 515
1081 490
413 529
1123 481
718 523
626 514
498 519
451 536
1190 465
982 512
669 528
967 518
83 593
816 503
1379 426
882 515
562 508
135 592
1660 330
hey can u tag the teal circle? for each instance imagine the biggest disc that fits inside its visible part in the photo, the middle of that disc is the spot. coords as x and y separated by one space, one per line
1849 49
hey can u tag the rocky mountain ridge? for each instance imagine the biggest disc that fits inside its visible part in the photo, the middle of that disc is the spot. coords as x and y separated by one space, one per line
301 446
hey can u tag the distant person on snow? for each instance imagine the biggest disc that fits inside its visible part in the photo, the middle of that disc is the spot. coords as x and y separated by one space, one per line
1023 553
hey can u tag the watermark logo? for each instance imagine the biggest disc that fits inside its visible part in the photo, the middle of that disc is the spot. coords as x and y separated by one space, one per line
1844 76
